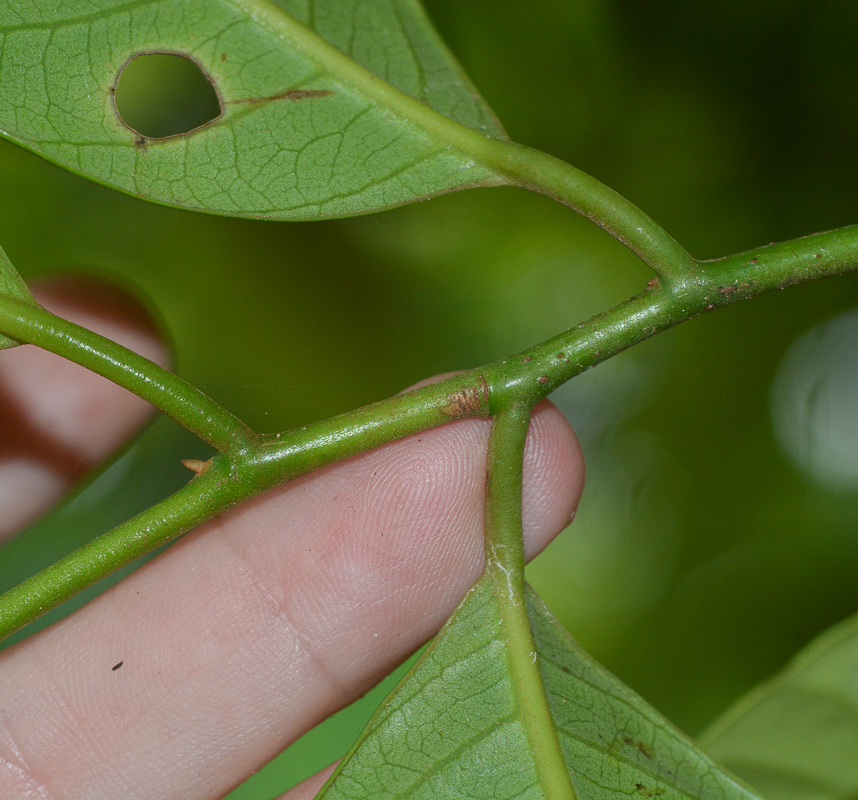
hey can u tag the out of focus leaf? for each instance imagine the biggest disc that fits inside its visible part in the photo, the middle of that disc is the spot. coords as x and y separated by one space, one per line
12 285
796 735
456 725
318 118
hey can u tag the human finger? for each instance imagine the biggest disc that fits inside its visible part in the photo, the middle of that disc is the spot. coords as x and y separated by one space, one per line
199 668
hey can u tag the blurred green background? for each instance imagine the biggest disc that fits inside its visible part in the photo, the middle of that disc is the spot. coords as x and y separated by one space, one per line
717 533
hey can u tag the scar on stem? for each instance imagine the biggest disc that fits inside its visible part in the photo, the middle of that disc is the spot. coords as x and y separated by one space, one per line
467 402
195 465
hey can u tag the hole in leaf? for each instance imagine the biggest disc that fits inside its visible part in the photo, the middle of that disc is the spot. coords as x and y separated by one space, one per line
164 94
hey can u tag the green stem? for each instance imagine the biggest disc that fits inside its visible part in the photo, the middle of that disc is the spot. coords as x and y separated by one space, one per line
522 379
204 497
505 567
164 390
709 285
512 163
540 172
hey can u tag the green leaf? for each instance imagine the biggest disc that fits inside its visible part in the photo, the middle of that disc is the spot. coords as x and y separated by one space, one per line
307 130
12 285
455 726
796 735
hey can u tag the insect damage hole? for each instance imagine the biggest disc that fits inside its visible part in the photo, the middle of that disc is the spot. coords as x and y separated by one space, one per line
159 95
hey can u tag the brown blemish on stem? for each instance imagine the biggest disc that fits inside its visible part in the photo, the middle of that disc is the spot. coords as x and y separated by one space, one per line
467 402
196 466
726 291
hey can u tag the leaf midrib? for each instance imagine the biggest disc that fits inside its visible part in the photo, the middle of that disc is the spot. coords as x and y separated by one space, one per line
528 686
428 121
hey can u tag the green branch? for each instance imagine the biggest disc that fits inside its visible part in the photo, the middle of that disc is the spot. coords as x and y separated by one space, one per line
540 172
707 286
201 499
167 392
513 164
253 464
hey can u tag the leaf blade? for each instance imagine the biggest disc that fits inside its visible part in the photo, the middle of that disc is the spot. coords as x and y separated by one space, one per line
466 741
615 741
450 729
396 40
796 735
306 132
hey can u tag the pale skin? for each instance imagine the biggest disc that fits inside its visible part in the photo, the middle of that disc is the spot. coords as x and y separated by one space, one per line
254 627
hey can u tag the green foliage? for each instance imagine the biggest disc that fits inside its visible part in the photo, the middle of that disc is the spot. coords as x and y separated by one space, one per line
304 133
457 724
278 94
796 735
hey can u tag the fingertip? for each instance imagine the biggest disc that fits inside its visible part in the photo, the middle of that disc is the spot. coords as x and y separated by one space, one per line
554 474
309 788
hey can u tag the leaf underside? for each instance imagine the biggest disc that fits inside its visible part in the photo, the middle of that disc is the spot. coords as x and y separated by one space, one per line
304 133
796 736
453 728
12 285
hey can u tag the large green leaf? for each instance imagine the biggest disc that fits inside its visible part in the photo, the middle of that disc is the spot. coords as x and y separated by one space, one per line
456 726
12 285
307 130
796 736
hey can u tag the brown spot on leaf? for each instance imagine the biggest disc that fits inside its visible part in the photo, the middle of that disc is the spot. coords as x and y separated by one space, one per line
293 95
644 749
543 379
651 793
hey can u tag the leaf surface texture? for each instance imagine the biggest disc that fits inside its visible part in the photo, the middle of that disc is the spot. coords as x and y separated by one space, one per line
454 728
328 108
